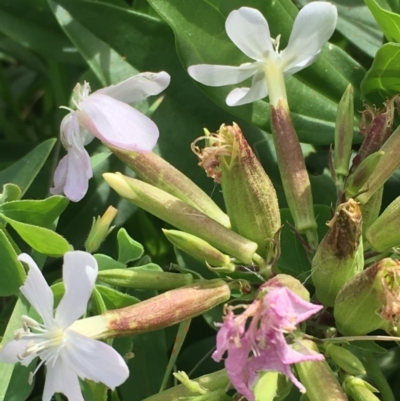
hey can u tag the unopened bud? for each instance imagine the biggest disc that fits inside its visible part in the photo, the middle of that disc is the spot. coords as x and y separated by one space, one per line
344 133
156 171
318 379
199 249
339 256
384 233
250 198
370 300
292 167
345 359
359 390
181 215
100 229
285 280
272 386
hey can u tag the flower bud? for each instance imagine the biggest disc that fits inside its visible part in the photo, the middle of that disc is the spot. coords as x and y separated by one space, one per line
156 171
384 233
387 165
339 256
199 249
318 378
272 386
156 313
345 359
100 229
344 133
250 198
370 212
181 215
292 167
360 176
285 280
144 279
359 390
369 301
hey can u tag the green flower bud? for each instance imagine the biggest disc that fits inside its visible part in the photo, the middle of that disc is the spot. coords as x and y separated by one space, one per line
133 277
294 285
181 215
384 233
387 165
345 359
156 171
370 212
318 379
359 390
339 256
250 198
292 167
199 249
156 313
344 134
369 301
360 176
100 229
272 386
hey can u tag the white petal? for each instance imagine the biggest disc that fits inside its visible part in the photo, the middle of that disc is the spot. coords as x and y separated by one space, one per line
60 176
60 378
79 275
220 75
138 88
249 31
257 91
94 360
117 124
37 291
9 353
313 26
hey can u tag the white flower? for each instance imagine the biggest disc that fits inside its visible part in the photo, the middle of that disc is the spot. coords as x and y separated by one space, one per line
106 115
66 353
249 31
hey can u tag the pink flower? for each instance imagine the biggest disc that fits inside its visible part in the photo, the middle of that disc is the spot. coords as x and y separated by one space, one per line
263 347
105 114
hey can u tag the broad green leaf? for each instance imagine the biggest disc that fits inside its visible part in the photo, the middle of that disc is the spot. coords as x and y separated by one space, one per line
11 192
201 38
99 305
128 248
20 387
33 25
11 271
106 262
23 172
36 212
383 76
387 20
114 299
40 239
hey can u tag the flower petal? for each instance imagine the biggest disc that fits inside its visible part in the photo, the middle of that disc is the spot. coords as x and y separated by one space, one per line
258 91
314 25
60 378
79 275
138 87
9 353
37 291
94 360
249 31
117 124
220 75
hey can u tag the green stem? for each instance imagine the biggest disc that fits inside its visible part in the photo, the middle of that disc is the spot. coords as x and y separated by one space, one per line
380 380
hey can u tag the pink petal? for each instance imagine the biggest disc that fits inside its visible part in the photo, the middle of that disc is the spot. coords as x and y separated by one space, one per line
94 360
79 275
138 87
37 291
117 124
60 378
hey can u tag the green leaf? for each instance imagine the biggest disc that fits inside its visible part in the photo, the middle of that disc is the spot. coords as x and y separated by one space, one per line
23 172
11 192
11 271
37 212
128 248
383 76
114 299
387 20
19 388
40 239
106 262
201 38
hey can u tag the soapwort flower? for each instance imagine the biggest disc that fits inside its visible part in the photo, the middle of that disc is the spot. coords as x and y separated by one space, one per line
249 31
262 346
105 114
67 354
